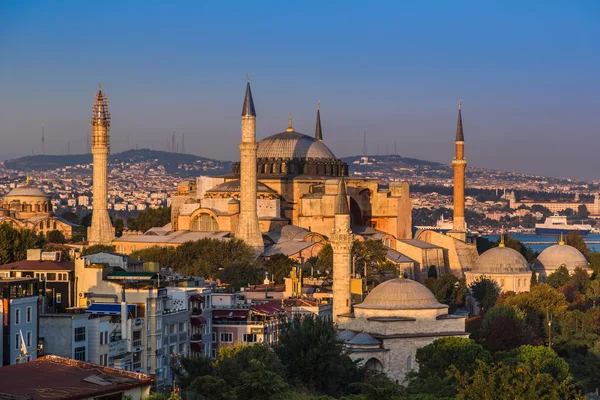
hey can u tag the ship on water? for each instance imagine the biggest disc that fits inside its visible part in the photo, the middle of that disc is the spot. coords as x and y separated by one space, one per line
557 225
442 225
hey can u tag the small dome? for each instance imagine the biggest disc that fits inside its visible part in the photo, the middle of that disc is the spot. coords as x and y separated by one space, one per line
400 294
292 145
364 339
234 187
233 201
346 335
26 191
561 254
500 260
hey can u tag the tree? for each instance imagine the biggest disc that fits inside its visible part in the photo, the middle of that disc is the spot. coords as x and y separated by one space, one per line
14 243
325 259
582 211
559 278
448 289
212 388
485 291
314 356
149 218
56 236
98 248
502 329
575 240
258 383
239 275
533 280
279 267
119 225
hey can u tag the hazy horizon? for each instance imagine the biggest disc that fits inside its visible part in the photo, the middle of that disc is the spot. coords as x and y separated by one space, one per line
527 75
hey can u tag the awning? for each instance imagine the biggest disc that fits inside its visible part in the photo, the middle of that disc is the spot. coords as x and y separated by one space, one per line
197 347
198 321
108 308
230 314
197 297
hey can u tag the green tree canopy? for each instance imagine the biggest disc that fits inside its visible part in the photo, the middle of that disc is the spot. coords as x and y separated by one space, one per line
56 236
279 267
559 277
448 289
503 329
14 243
485 291
98 248
150 218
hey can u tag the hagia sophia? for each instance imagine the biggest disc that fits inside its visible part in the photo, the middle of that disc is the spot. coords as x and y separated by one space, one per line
290 195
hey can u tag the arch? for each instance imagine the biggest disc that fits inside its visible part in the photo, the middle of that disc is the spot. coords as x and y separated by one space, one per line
355 213
409 363
204 223
374 364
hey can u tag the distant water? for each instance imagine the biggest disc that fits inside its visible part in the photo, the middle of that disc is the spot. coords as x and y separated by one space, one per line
548 240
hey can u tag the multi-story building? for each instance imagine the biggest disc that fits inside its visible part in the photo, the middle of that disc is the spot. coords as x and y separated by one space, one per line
19 318
66 335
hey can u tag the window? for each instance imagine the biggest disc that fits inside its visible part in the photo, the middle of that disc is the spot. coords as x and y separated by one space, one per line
80 353
17 316
214 353
101 338
158 324
106 337
79 334
226 337
182 327
249 337
29 338
172 349
17 341
409 364
214 337
28 315
181 348
51 276
137 338
173 328
58 298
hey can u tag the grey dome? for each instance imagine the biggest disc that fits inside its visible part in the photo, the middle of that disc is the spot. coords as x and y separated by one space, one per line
292 145
500 260
27 191
364 339
400 294
560 254
233 186
346 335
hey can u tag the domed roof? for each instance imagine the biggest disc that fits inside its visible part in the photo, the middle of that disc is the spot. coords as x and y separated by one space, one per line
292 145
561 254
234 186
400 294
500 260
364 339
26 191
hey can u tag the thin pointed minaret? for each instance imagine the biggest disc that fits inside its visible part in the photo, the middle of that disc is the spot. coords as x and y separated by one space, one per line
459 227
248 228
318 131
101 230
341 243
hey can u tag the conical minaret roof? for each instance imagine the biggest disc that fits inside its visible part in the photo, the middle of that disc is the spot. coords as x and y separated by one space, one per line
318 131
100 113
248 108
341 200
460 137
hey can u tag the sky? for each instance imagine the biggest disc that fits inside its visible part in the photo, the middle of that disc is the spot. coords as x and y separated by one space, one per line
528 74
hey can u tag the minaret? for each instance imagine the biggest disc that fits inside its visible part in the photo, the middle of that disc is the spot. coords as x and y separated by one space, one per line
248 228
459 228
318 131
341 242
101 231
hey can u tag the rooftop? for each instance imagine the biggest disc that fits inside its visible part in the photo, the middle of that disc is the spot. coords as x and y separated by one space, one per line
34 265
62 378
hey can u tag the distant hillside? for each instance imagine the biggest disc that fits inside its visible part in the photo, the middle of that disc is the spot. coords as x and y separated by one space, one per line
170 161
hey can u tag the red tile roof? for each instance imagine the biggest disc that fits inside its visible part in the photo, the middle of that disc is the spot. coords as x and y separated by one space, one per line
33 265
52 377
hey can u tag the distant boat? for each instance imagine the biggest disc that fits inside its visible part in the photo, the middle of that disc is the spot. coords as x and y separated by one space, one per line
557 225
442 225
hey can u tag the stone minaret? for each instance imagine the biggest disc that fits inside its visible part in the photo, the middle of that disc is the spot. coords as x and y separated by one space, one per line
101 231
459 228
341 242
248 228
318 131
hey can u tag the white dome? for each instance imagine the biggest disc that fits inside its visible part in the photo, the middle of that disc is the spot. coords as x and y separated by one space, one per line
560 254
400 294
500 260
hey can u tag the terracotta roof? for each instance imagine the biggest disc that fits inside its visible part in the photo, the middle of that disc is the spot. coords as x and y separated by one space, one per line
33 265
63 378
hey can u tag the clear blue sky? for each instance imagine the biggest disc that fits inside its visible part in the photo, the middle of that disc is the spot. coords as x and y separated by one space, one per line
528 73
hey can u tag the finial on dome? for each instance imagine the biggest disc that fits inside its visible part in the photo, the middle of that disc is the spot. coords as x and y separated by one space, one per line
27 180
501 240
99 86
290 127
561 242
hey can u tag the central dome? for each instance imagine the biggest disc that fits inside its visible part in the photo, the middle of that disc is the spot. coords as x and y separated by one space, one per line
500 260
293 145
400 294
27 191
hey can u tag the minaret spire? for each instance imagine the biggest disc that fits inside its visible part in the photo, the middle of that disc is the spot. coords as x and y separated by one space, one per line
459 164
101 230
341 243
248 228
290 127
318 131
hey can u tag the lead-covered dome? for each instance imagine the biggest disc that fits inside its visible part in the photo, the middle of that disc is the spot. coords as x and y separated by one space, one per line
561 254
293 145
400 294
27 191
500 260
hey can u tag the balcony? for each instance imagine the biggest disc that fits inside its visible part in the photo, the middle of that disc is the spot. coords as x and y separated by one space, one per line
196 337
137 343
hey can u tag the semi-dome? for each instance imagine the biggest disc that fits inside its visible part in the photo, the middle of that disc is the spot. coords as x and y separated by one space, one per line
500 260
400 294
27 191
561 254
293 145
233 186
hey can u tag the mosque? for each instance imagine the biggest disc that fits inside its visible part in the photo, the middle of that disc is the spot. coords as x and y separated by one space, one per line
28 207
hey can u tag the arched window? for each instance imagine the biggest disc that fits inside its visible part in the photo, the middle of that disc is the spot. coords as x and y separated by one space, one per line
54 225
205 223
374 364
409 364
48 224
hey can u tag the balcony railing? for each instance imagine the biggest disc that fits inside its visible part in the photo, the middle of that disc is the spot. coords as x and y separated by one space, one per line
196 337
137 343
137 365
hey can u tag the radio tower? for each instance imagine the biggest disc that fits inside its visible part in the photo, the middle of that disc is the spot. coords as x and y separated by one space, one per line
365 145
